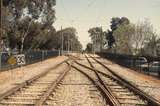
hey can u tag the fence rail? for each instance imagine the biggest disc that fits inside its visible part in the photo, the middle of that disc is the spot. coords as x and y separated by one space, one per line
30 57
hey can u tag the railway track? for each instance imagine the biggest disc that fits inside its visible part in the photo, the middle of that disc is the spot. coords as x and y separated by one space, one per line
42 90
76 90
95 78
87 85
35 91
126 93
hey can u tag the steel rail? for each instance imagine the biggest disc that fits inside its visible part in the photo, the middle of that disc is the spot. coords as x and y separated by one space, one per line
151 101
113 98
94 70
72 56
27 82
99 86
109 97
89 62
52 87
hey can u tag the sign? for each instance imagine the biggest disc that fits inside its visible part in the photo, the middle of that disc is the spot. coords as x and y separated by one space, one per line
12 60
20 59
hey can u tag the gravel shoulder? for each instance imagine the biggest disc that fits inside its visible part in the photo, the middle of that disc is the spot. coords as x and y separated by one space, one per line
10 78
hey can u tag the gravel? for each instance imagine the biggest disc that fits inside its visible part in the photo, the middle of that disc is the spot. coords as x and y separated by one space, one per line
148 84
76 90
9 79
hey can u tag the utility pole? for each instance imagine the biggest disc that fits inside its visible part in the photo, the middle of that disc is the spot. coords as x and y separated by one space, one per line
1 27
68 44
94 44
1 36
62 41
102 36
71 49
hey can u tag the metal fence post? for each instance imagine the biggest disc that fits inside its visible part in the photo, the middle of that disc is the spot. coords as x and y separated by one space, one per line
59 52
42 55
0 60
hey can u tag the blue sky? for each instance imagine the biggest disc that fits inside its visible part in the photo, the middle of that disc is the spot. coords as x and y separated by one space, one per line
84 14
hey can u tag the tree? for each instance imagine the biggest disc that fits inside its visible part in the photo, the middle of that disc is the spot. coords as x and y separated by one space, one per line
131 38
22 10
142 35
110 38
152 47
116 22
70 40
123 39
89 48
158 47
97 37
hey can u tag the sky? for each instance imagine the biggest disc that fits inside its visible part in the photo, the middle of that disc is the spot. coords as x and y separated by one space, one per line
85 14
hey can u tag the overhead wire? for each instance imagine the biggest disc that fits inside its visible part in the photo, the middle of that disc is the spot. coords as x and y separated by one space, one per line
89 5
67 13
77 19
85 10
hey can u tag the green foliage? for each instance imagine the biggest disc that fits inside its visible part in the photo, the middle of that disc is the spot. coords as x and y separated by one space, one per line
123 38
116 22
152 48
95 33
27 24
137 39
97 37
70 40
89 47
110 38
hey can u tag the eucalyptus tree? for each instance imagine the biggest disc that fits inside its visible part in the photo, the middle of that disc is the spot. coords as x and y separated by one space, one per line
127 38
89 48
123 39
116 22
97 36
152 47
143 34
70 40
41 11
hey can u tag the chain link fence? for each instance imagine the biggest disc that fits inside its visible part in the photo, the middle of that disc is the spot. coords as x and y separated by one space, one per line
30 57
146 64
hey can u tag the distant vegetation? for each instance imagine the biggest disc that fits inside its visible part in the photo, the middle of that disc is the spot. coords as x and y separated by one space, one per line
124 37
28 25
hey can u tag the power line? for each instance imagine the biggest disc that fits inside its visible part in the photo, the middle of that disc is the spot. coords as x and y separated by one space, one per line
78 19
65 10
91 3
67 13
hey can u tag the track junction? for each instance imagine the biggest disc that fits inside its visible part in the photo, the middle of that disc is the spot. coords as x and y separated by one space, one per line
80 80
